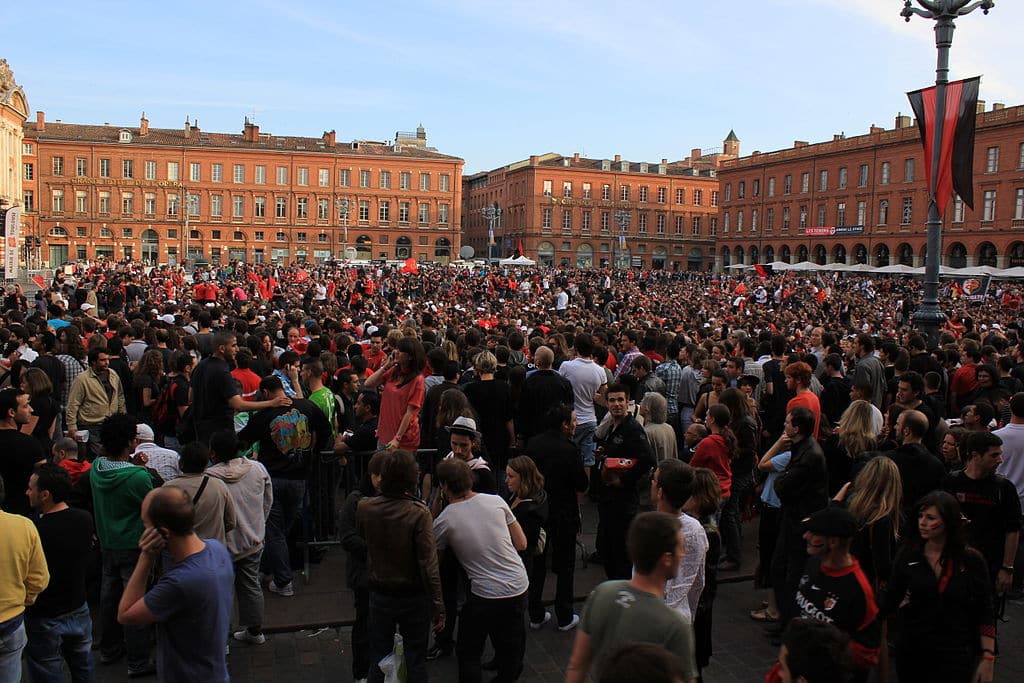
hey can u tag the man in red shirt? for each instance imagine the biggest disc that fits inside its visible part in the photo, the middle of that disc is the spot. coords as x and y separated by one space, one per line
374 354
965 379
798 379
249 380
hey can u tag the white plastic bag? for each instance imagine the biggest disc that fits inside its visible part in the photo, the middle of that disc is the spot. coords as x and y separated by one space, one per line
393 665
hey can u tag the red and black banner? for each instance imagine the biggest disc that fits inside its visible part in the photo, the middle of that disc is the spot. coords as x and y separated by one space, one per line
956 157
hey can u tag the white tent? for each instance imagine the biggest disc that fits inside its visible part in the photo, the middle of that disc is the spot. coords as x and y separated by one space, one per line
517 261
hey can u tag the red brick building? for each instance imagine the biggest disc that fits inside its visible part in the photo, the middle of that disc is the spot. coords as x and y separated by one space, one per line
569 210
864 200
163 195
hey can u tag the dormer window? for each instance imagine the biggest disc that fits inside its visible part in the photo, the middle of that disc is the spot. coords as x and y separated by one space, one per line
125 136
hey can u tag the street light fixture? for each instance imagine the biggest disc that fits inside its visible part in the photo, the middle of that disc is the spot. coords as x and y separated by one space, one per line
342 205
622 218
929 317
493 215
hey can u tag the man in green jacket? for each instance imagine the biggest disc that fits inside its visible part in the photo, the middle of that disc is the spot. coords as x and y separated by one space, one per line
118 487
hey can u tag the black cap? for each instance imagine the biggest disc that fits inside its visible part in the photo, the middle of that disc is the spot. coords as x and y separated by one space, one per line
835 522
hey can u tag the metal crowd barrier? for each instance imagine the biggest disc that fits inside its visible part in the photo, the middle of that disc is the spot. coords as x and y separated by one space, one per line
328 485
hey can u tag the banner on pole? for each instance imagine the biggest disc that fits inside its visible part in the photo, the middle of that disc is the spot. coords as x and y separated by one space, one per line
12 240
956 156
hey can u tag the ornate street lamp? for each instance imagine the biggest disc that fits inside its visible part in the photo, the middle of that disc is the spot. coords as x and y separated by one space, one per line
929 317
342 205
622 218
493 215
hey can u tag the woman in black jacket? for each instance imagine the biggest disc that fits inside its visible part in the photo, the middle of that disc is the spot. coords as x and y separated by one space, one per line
943 593
744 425
529 503
355 567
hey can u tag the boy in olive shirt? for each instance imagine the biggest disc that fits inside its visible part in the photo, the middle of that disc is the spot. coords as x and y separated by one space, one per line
621 612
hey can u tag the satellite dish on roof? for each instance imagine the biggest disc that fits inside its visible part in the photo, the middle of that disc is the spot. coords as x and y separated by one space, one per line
467 252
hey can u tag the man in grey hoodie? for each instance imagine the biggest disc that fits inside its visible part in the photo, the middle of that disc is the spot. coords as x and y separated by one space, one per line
253 495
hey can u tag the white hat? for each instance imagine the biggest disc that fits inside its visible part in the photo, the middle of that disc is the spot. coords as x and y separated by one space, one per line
143 432
463 425
167 318
86 307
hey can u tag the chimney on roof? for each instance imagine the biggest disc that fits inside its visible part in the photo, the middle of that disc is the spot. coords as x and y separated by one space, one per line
799 143
188 128
533 160
40 121
576 156
695 153
980 109
875 129
618 158
251 132
330 138
195 126
998 106
143 125
902 121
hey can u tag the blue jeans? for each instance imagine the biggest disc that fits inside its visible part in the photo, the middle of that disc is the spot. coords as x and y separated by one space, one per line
49 638
118 566
411 614
584 439
11 646
288 496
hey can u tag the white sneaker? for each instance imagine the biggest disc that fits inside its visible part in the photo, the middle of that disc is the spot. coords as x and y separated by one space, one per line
572 624
537 625
244 636
285 591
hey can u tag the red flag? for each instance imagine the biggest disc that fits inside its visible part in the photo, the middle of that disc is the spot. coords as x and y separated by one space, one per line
956 156
740 289
761 270
519 249
410 266
302 275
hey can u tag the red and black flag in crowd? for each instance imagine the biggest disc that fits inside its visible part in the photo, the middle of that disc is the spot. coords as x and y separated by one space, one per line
956 157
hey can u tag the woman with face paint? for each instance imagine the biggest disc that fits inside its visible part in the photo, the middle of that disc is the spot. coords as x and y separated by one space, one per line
941 588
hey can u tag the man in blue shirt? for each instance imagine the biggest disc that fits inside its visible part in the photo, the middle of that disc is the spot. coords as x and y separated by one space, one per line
191 602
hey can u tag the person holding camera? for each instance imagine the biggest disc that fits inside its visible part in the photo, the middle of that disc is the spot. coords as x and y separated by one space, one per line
624 458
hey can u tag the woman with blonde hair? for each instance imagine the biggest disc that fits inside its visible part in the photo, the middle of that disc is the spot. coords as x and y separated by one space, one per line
492 400
45 409
876 500
846 446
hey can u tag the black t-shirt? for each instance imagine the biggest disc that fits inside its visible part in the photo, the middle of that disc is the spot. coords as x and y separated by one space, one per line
18 455
46 409
492 401
212 388
67 538
993 509
289 437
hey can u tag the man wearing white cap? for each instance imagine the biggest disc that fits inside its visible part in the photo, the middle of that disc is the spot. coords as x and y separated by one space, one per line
163 460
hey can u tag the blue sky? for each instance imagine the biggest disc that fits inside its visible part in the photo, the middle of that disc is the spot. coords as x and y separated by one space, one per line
494 82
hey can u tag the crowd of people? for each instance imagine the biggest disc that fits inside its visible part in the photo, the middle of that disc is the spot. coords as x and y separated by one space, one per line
164 429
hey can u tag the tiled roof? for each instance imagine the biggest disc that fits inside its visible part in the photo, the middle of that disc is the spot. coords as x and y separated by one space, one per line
198 139
676 168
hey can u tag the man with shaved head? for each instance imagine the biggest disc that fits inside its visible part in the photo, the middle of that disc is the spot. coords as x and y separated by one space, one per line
543 389
191 602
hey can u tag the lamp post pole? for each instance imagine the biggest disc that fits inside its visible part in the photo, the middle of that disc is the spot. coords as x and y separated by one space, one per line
342 205
928 317
622 218
493 215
